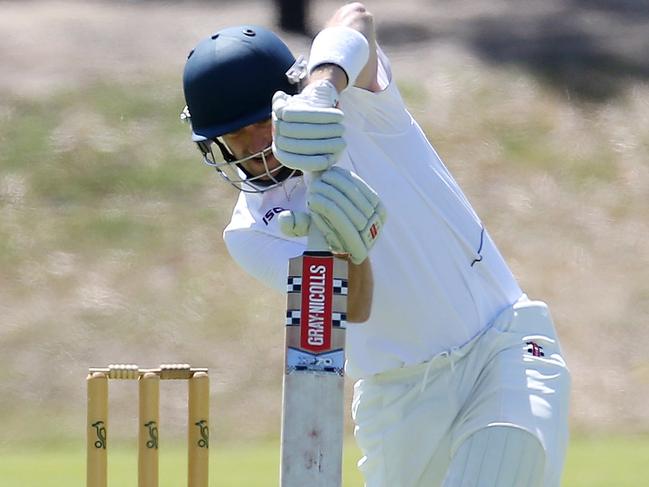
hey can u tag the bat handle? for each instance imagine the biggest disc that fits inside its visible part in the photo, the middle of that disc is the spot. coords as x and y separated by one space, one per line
315 239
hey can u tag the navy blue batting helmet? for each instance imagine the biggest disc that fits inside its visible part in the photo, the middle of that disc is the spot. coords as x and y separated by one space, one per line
230 78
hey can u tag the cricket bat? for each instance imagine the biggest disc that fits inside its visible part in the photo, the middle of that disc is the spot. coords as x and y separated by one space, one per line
312 409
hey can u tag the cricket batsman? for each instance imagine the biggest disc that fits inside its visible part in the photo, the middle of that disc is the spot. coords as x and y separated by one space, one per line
460 379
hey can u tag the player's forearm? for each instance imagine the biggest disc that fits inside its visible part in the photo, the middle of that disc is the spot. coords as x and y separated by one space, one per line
357 17
347 47
361 289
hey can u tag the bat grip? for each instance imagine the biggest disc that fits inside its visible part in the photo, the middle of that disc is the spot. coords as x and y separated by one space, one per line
315 239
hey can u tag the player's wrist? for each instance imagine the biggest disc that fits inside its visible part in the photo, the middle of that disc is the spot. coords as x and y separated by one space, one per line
342 46
332 73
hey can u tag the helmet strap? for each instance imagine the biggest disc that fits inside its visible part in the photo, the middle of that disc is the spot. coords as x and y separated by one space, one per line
227 155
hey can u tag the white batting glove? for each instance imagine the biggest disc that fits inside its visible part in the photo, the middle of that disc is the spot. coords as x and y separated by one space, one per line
294 223
345 209
307 128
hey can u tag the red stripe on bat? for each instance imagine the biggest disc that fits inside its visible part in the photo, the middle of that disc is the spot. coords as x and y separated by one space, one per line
317 303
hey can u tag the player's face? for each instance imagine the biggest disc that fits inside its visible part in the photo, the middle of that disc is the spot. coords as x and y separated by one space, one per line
250 140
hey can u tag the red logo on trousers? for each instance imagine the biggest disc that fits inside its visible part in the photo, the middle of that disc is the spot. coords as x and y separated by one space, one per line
535 349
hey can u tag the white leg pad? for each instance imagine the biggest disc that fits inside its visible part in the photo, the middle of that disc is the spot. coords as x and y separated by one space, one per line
497 456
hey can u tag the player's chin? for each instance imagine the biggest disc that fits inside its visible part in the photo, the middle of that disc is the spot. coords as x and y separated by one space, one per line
262 172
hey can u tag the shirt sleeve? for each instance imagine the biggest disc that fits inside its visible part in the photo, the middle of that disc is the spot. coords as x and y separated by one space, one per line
381 113
384 69
263 256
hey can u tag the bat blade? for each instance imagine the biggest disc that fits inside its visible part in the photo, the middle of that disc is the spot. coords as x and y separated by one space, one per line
312 412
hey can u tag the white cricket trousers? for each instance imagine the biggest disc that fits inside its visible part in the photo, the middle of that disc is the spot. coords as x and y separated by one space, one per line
495 408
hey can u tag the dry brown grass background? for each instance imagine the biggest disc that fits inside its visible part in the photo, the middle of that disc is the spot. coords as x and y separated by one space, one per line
540 109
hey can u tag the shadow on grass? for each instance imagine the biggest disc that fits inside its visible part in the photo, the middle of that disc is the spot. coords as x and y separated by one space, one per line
588 49
559 49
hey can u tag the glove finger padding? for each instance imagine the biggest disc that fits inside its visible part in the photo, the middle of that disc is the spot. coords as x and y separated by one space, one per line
300 130
339 231
303 108
300 162
333 239
297 223
309 147
303 113
324 199
347 211
353 188
307 128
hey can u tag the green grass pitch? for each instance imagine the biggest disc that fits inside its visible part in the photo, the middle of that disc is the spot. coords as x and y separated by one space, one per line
599 462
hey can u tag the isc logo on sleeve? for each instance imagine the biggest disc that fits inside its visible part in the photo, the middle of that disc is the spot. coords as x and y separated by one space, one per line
268 216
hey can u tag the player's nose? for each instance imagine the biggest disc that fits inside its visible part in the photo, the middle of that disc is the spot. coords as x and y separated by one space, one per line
259 137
